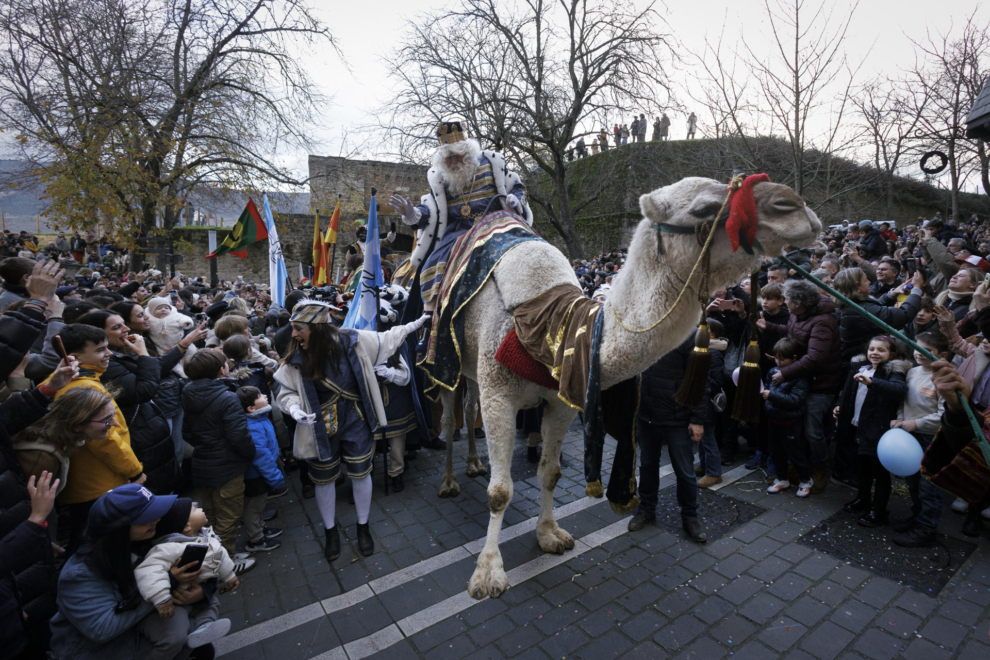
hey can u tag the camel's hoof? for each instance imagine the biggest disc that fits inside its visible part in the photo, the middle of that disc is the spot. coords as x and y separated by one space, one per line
449 488
487 582
555 541
475 468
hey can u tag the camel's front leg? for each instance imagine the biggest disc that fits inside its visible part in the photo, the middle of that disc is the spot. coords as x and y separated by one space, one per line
471 400
556 418
489 577
449 487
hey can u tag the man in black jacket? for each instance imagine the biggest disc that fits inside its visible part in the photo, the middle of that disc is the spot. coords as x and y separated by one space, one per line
662 420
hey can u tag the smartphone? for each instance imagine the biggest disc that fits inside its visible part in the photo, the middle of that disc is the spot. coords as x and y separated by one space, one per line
910 266
193 553
200 317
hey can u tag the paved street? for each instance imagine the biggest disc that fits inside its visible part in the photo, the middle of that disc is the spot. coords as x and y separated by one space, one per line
755 590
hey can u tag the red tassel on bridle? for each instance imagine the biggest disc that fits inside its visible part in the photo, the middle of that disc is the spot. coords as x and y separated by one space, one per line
743 220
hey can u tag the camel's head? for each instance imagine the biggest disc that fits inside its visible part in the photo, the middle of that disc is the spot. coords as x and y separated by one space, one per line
784 220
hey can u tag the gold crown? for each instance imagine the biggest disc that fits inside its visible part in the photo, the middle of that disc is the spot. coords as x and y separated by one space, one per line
449 132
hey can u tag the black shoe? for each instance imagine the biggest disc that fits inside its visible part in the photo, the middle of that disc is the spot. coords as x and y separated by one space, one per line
457 435
366 544
641 520
902 526
872 519
203 653
479 432
972 526
332 551
915 539
533 454
278 492
728 459
411 455
269 514
397 484
309 491
436 443
858 505
694 530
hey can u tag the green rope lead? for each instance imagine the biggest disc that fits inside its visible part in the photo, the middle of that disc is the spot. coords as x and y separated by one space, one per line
980 438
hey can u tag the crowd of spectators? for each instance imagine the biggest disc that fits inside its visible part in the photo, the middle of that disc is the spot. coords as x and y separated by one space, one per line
832 383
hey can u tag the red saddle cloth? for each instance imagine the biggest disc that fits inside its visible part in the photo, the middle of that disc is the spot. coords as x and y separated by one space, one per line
514 357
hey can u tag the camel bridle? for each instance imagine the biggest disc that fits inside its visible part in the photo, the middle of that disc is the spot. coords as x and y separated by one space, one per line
703 262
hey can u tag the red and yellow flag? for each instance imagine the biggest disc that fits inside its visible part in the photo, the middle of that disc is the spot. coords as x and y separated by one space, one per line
331 237
322 274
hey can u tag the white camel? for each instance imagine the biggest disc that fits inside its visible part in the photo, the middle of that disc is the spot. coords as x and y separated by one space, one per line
642 292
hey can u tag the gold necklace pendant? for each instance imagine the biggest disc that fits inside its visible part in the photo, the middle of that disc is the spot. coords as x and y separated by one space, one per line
466 210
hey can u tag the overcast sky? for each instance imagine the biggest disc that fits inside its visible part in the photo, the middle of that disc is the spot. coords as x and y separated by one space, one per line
880 34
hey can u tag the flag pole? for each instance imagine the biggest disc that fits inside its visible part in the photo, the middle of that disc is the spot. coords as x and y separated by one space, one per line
333 253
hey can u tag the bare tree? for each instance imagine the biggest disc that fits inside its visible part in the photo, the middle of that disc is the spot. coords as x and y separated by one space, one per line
950 74
800 89
123 106
529 77
888 114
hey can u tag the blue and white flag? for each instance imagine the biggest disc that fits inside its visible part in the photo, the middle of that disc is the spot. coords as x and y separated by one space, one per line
363 312
278 274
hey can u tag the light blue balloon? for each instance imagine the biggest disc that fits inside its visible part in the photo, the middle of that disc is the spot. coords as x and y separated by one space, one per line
900 453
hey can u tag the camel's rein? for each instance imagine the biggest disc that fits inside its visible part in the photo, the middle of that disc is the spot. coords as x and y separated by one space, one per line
703 258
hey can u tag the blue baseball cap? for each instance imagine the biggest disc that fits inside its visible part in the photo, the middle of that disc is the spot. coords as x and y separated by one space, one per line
127 505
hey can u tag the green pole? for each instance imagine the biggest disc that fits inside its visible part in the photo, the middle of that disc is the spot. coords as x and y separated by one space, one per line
980 439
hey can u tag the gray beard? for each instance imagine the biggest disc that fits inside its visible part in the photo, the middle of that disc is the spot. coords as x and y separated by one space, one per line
459 178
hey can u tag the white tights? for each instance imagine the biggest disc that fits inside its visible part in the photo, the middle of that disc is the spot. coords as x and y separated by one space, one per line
326 501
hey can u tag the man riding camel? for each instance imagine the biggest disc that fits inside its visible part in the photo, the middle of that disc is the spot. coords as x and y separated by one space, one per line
466 183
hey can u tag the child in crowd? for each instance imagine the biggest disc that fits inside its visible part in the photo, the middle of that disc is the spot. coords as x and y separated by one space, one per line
784 407
235 324
216 426
873 392
925 321
921 416
709 467
183 525
774 311
246 372
168 325
263 474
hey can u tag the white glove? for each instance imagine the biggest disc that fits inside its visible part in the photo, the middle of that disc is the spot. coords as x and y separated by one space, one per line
386 372
409 213
513 203
300 416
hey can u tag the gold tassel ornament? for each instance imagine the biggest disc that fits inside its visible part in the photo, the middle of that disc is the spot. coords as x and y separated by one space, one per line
691 393
749 389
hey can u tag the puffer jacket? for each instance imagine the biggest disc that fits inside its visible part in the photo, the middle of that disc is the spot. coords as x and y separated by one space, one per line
856 332
251 374
873 245
215 425
99 465
169 395
265 463
152 574
661 382
90 623
137 378
785 401
818 332
883 399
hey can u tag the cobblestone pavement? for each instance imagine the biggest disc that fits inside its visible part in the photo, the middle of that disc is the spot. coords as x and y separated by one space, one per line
756 592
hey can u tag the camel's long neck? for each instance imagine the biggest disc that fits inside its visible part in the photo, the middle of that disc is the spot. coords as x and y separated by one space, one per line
644 291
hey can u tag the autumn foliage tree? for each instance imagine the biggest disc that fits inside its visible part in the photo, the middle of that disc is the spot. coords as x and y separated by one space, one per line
123 106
